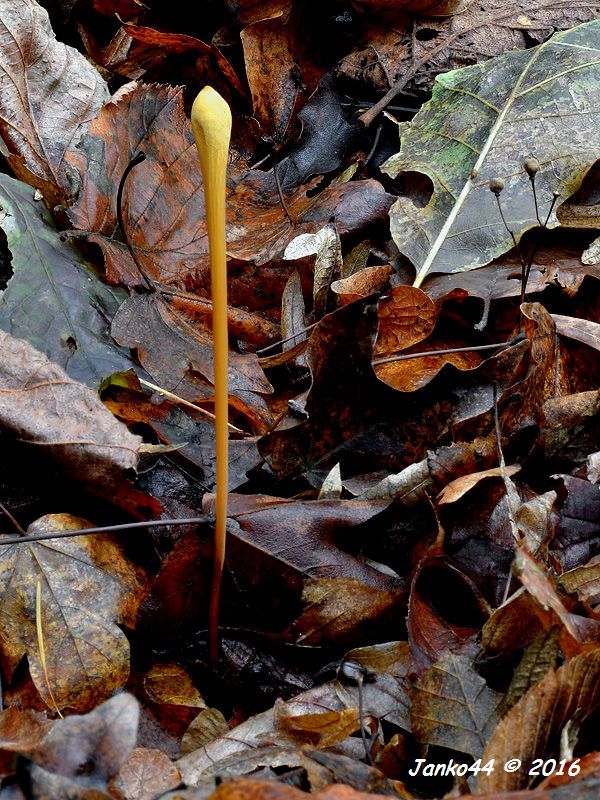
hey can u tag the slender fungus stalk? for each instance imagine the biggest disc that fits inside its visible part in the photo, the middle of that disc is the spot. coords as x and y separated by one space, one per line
211 123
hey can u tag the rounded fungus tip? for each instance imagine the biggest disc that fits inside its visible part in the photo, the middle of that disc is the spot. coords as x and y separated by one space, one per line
531 167
496 186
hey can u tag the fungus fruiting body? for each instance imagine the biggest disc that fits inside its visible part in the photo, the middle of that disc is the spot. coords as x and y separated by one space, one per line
211 123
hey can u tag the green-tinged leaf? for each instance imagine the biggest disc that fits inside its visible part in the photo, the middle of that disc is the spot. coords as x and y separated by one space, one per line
540 657
54 300
483 122
453 707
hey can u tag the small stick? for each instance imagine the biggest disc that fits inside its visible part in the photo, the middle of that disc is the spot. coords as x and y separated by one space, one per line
427 353
211 123
14 522
123 526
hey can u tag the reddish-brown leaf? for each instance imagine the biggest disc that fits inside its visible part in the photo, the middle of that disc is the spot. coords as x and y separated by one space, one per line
163 202
363 283
431 630
145 774
180 357
533 727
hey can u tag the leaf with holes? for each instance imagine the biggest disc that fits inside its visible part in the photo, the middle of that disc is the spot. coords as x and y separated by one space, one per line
54 300
482 123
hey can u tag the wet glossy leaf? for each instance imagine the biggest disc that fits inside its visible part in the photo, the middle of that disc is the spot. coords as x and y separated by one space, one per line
482 123
55 300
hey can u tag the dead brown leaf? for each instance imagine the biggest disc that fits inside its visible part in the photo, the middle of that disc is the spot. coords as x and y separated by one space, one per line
169 684
270 62
249 745
21 731
511 626
484 29
320 730
157 46
163 202
533 727
209 725
180 357
453 707
304 536
545 378
584 580
40 404
539 658
430 632
49 93
145 774
406 317
578 632
87 586
343 609
364 282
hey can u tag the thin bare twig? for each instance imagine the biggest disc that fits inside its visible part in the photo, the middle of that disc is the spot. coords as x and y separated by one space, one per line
125 526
